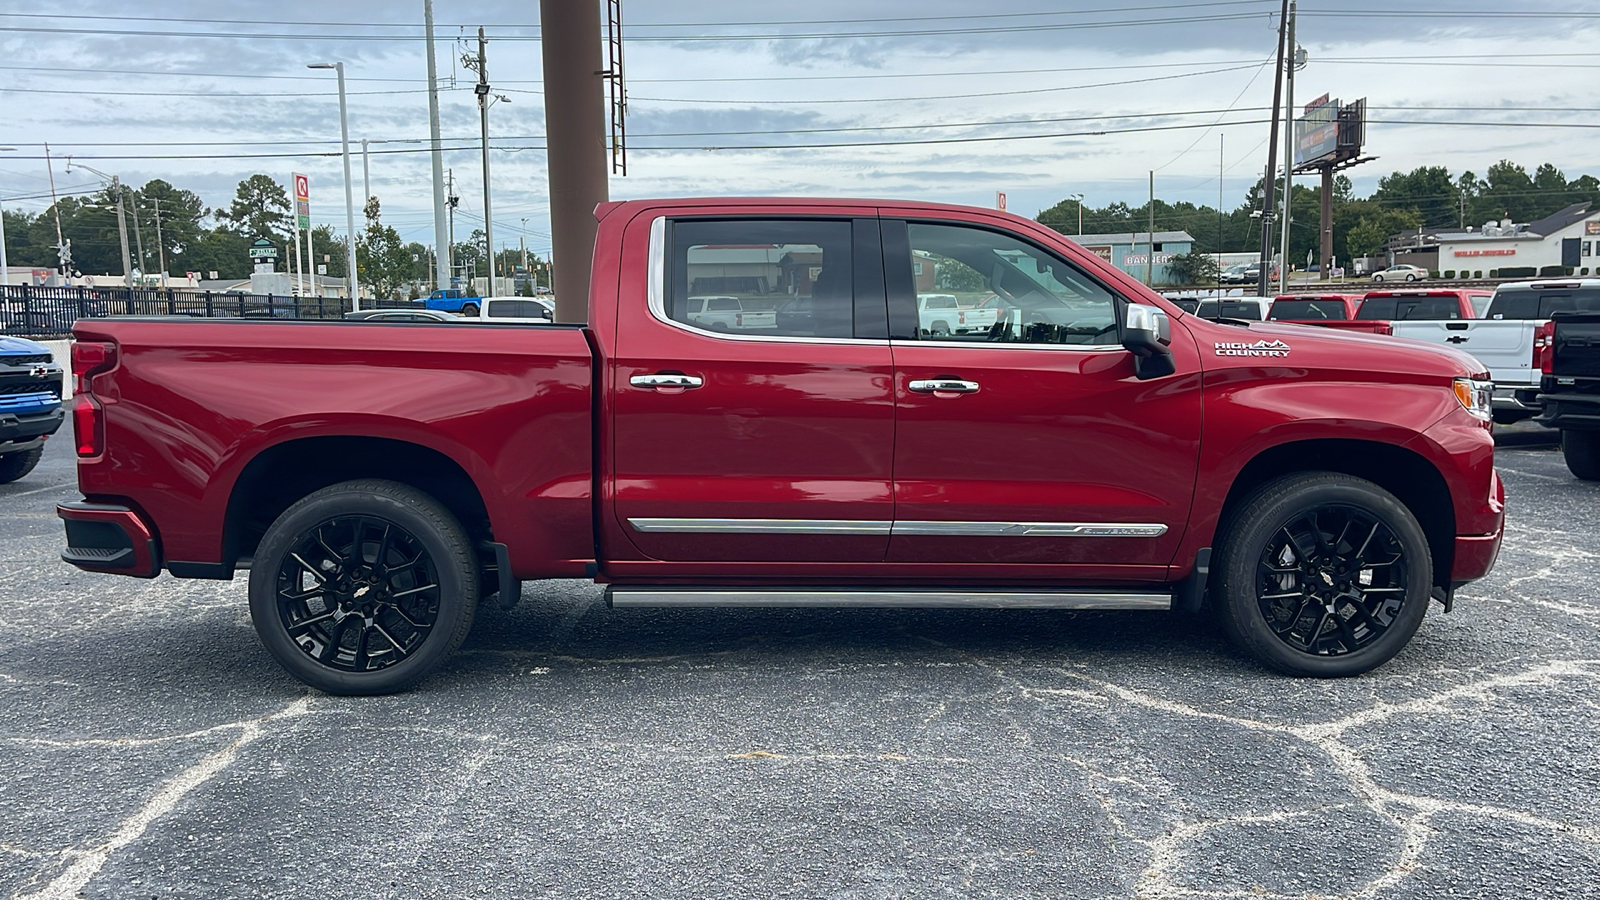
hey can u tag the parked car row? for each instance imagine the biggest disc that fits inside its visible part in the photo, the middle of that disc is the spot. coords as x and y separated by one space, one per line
492 310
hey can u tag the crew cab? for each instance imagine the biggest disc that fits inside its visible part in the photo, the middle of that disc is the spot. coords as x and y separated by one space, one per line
1505 339
1096 448
30 404
1570 387
1313 309
1380 309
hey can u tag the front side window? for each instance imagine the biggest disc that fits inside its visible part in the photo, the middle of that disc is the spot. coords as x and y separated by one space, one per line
761 277
991 287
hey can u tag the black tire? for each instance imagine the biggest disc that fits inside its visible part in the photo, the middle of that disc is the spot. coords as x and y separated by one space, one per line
1582 452
1377 278
1305 584
469 309
1411 278
15 465
306 585
940 327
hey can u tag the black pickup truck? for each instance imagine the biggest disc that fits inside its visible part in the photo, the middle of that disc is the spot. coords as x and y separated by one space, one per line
1569 350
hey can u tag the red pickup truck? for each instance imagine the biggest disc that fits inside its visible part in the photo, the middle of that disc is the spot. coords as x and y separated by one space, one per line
1314 309
1379 310
1094 448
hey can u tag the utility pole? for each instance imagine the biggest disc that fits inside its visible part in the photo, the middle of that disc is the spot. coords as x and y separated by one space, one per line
441 256
138 236
366 175
1269 202
63 249
122 232
1150 244
1219 208
523 242
1288 150
574 105
161 250
453 201
483 112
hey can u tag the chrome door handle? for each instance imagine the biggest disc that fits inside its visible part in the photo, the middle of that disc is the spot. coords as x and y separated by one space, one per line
944 386
680 382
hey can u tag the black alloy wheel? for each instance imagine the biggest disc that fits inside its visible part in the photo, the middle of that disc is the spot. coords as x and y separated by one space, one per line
1323 574
363 587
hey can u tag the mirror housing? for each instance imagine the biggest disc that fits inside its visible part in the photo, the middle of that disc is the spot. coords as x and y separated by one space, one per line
1147 334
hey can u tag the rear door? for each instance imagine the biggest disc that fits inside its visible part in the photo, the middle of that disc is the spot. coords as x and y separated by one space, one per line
737 440
1047 450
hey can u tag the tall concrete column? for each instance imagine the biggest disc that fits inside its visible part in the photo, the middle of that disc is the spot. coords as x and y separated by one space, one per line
575 133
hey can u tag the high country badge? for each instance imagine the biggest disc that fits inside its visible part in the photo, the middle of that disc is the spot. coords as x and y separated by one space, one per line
1259 348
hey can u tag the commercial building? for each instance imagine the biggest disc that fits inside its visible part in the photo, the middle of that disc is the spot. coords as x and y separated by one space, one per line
1569 238
1132 252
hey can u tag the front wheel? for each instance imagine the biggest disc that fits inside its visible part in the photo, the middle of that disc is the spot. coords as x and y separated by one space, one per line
1582 452
363 587
1377 278
15 465
1323 575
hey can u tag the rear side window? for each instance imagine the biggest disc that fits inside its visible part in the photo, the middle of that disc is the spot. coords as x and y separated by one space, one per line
759 268
1308 309
1480 304
515 309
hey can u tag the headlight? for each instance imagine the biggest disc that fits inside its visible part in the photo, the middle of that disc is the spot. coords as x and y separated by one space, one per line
1477 397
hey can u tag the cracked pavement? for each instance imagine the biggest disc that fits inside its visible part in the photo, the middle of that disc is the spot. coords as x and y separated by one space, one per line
149 747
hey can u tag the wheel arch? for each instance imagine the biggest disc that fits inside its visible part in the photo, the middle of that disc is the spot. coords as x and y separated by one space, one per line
1400 471
285 472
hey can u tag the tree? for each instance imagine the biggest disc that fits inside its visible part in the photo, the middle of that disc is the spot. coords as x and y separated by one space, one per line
260 208
326 242
1371 234
180 213
1194 267
386 264
1428 190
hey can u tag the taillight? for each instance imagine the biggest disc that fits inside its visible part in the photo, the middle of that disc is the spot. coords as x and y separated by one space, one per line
1544 339
738 320
1386 328
89 425
89 358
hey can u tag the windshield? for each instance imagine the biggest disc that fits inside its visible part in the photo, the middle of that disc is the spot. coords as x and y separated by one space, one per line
1412 308
1308 309
1530 303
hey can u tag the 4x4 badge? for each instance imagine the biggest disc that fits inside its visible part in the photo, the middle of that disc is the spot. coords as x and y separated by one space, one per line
1259 348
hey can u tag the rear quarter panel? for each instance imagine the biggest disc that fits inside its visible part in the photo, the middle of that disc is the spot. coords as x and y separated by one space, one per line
189 404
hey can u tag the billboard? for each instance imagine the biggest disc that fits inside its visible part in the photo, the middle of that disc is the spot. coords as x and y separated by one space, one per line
1317 133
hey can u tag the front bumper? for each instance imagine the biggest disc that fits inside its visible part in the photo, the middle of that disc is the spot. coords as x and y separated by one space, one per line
1475 554
1571 412
104 537
27 429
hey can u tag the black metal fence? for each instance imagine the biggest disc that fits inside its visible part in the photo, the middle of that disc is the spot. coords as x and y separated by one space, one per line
28 311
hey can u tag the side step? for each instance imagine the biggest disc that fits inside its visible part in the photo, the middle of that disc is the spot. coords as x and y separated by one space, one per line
628 597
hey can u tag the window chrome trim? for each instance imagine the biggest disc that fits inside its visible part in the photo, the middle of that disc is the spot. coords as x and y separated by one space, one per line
656 301
920 528
761 526
1011 345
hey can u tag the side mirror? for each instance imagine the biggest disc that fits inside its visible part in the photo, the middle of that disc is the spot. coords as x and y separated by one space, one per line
1147 334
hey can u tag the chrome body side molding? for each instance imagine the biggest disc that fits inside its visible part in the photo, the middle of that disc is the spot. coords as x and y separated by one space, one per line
926 528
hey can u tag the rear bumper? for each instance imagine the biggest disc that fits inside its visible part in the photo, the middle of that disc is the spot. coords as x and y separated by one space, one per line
1573 413
103 537
1475 554
1517 397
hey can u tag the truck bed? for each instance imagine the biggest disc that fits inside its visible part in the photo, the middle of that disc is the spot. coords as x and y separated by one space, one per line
189 402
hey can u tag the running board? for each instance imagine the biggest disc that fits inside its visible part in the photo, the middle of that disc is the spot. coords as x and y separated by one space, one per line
900 598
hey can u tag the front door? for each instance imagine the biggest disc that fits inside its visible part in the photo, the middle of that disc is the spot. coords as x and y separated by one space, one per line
1031 442
764 434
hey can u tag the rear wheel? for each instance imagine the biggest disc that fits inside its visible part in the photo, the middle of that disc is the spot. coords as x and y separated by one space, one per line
1323 574
469 309
1582 451
363 587
15 465
1411 278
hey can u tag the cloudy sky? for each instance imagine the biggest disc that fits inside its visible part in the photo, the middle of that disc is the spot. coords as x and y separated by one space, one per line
873 98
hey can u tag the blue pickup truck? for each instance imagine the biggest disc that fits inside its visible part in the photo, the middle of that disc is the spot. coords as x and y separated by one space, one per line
30 405
452 300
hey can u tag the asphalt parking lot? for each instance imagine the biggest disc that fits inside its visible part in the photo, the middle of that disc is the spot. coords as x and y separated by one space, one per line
151 748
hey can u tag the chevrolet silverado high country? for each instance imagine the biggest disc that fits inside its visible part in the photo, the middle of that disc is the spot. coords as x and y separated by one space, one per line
1094 448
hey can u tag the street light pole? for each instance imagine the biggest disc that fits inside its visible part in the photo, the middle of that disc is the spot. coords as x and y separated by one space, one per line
5 271
349 197
122 223
1080 213
483 111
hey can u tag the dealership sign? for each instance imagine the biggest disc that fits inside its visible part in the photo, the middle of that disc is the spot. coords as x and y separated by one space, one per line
1510 251
1143 259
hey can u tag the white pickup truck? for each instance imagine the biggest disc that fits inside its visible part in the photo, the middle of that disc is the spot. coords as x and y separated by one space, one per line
723 313
943 314
1506 339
